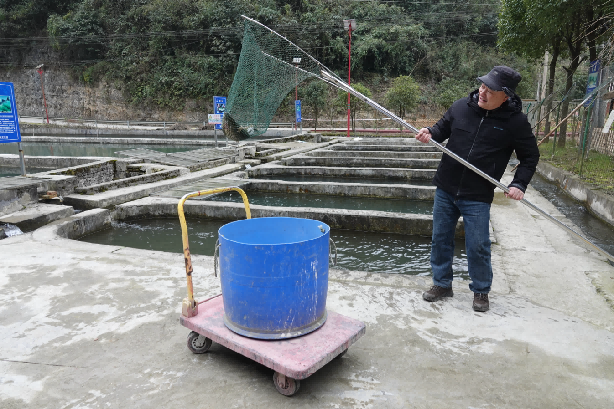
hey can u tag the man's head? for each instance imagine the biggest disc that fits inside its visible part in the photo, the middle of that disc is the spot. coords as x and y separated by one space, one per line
499 84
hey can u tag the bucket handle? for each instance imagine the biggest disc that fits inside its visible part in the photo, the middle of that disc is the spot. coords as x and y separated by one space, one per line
330 253
216 257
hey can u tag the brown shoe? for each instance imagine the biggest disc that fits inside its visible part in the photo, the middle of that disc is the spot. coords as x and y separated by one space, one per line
436 293
480 302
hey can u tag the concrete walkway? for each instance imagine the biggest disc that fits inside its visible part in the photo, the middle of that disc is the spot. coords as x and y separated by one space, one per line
91 326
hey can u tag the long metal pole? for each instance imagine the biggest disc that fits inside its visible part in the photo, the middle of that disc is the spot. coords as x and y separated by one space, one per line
340 84
333 80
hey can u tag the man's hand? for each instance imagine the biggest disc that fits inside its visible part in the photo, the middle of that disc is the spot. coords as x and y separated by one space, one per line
424 135
515 193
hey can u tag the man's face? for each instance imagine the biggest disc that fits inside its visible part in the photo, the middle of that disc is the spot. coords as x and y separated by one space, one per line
490 99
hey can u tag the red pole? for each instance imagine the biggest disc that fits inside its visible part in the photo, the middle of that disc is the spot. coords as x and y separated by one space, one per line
349 66
295 96
40 71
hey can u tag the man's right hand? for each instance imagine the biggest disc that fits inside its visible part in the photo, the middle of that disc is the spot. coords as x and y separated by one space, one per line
424 135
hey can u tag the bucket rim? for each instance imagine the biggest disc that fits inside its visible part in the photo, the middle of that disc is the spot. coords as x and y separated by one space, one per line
326 226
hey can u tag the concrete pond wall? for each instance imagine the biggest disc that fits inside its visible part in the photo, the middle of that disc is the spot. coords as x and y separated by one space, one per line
598 203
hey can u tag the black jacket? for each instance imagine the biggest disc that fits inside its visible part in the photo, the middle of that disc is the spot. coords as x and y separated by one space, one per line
486 139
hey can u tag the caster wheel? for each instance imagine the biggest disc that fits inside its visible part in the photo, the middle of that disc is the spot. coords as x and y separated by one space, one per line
198 344
286 386
342 353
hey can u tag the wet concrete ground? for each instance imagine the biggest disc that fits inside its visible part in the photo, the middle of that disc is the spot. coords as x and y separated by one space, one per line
91 326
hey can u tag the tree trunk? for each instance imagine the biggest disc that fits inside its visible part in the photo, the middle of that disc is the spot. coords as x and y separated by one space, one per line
556 49
565 106
574 42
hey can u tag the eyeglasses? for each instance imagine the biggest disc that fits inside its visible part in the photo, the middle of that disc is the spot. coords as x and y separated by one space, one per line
484 88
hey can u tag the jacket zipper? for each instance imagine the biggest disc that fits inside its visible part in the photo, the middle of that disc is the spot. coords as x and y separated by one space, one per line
460 183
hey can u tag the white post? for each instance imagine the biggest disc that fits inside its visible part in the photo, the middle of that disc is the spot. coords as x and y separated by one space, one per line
22 161
545 76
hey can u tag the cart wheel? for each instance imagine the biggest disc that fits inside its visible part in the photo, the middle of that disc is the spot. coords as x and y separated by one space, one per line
342 353
286 386
198 344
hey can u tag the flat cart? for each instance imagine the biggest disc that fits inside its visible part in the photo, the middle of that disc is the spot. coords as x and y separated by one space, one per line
292 359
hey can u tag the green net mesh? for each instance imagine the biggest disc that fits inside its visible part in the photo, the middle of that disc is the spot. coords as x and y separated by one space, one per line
268 70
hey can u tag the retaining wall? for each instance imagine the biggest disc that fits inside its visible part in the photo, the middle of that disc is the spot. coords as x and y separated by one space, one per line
598 203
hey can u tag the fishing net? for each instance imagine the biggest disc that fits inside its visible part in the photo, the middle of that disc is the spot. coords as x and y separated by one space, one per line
270 66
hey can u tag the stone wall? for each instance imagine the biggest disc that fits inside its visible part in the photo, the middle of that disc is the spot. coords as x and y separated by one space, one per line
68 97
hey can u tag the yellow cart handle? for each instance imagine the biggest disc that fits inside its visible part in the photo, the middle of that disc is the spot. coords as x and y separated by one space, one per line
190 306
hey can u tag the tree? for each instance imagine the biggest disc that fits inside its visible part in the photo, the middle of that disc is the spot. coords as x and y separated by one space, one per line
449 90
314 96
403 95
530 27
356 105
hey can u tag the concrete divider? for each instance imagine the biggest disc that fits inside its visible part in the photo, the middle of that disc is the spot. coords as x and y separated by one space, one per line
37 215
75 226
126 194
50 162
361 220
345 189
329 171
375 154
362 162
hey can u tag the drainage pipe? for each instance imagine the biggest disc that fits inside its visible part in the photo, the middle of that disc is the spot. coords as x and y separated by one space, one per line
329 78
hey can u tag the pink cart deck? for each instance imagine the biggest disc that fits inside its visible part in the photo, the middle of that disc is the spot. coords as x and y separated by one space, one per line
296 358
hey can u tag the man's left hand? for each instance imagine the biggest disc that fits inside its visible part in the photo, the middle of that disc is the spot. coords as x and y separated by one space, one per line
515 193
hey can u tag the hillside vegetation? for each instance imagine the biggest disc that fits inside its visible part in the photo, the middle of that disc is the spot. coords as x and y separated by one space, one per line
162 52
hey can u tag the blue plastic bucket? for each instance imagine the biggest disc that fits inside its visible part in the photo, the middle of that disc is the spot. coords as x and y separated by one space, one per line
274 275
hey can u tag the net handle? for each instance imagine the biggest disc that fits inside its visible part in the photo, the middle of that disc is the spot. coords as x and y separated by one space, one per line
343 86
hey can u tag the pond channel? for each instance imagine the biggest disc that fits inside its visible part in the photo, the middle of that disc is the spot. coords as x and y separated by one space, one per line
359 251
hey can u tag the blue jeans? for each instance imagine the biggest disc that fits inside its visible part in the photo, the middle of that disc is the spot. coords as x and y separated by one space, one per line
446 212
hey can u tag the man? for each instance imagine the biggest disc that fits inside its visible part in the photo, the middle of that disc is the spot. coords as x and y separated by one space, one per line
484 129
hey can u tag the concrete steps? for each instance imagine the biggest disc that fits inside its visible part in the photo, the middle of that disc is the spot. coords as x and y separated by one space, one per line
37 215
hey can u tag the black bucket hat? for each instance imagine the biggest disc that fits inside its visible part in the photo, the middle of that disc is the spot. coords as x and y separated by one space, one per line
502 78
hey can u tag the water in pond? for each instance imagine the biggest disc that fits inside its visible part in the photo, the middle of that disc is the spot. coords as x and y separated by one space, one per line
360 251
328 201
336 179
597 231
10 230
86 149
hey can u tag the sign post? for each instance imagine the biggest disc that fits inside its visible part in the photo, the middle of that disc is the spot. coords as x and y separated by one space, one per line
593 80
297 108
9 120
219 107
215 119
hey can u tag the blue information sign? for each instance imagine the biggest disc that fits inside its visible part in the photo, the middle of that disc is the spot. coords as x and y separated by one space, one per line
9 121
297 106
593 80
219 107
